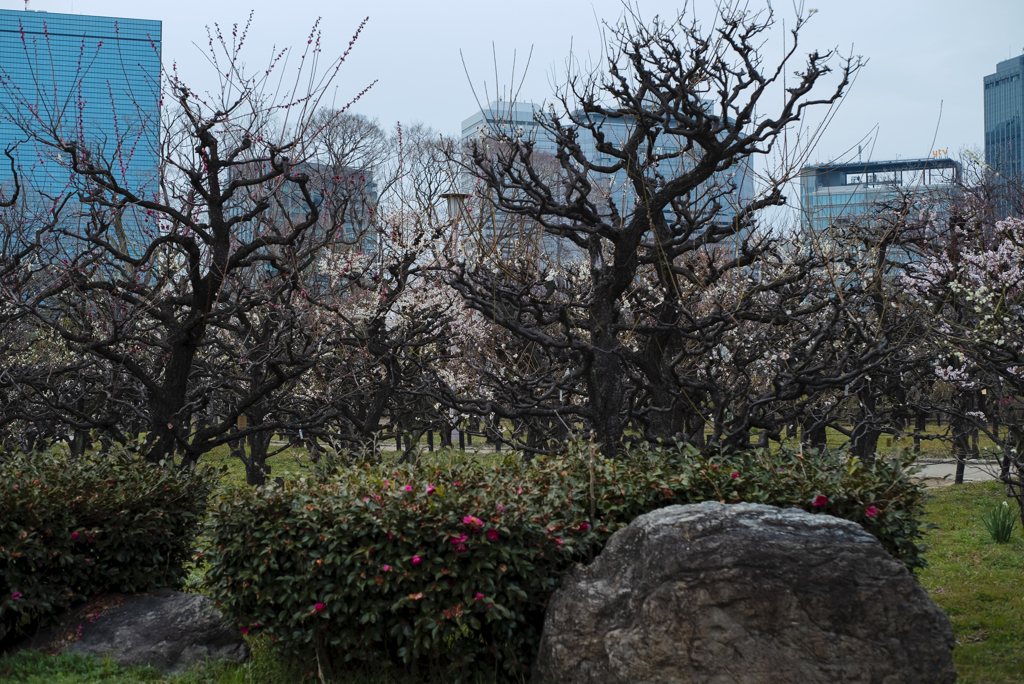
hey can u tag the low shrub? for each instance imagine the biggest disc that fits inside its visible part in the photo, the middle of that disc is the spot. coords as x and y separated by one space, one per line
449 563
74 528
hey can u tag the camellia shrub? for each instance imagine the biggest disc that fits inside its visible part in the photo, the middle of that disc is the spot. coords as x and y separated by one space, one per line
74 528
449 563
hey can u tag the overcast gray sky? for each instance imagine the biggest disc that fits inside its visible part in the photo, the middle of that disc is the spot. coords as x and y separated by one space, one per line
921 53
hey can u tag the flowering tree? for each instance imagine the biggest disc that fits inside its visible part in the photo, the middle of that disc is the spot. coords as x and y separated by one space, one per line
139 281
970 279
663 333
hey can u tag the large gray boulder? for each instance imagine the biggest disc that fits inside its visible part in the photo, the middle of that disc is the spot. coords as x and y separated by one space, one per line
743 594
166 629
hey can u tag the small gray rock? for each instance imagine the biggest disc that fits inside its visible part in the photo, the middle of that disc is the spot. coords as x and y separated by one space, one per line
743 594
166 629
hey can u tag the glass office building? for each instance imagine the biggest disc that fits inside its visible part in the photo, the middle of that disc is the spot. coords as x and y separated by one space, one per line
93 80
848 193
1004 109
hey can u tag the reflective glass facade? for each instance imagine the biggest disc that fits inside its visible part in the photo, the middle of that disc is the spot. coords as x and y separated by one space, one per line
845 193
1004 107
95 80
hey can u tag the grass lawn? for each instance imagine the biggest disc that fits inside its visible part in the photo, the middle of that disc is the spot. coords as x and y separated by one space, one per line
978 583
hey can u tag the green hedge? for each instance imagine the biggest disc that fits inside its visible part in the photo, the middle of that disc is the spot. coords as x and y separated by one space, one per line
70 529
449 563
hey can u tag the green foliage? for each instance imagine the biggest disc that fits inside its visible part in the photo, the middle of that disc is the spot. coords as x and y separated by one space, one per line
882 497
449 563
999 522
409 562
70 529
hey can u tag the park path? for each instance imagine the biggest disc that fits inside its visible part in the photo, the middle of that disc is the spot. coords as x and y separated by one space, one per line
942 472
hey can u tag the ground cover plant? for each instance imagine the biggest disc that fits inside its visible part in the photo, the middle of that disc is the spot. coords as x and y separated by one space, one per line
446 564
73 528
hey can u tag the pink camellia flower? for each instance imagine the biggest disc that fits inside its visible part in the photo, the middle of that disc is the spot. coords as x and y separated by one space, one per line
820 500
492 534
735 475
519 491
408 488
472 521
501 507
871 511
478 597
458 539
88 560
584 526
245 630
318 607
457 483
365 499
416 560
387 568
430 489
256 625
16 596
75 535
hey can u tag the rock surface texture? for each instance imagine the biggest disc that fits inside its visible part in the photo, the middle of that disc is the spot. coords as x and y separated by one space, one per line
743 594
166 629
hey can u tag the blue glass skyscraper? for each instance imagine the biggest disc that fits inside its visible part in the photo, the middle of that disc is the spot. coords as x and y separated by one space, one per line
1004 118
91 80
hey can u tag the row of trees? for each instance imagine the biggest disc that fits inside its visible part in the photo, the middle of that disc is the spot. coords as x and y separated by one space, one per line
299 273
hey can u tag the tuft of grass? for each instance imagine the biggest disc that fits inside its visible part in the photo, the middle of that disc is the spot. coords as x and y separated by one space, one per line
977 582
1000 522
